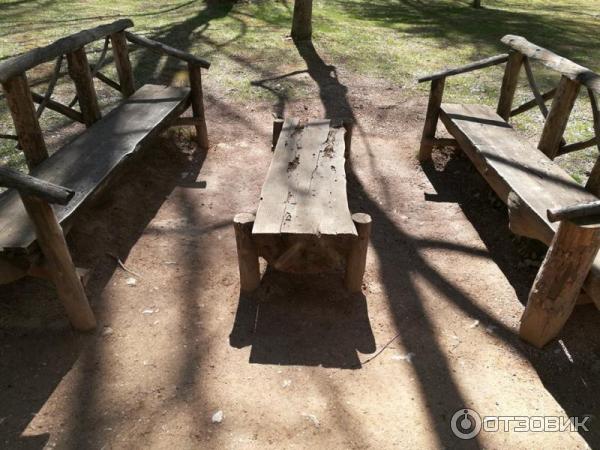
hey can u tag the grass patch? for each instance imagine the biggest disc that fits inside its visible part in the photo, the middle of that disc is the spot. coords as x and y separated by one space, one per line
393 39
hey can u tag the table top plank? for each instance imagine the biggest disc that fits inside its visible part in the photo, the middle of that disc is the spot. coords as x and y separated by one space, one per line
305 189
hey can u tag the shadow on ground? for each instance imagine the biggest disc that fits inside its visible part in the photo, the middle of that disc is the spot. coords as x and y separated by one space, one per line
303 319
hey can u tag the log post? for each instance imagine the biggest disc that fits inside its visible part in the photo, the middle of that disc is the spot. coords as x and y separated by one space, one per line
277 127
302 20
357 257
80 73
509 84
64 275
198 104
22 110
431 120
559 281
593 182
558 116
247 252
122 62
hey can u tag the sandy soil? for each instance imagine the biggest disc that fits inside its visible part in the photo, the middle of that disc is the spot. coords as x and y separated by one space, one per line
444 282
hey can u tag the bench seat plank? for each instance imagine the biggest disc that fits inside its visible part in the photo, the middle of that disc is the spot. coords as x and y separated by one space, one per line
511 165
305 189
86 163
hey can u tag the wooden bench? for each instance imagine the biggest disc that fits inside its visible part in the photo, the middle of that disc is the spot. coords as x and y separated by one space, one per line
87 164
303 223
527 179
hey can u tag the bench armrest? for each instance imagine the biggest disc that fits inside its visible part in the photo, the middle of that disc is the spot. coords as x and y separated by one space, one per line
574 211
487 62
167 50
29 185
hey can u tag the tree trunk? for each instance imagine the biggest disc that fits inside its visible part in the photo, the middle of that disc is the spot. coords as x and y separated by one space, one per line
302 20
476 3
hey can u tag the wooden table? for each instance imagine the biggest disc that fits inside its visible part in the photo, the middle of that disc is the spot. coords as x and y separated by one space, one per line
303 223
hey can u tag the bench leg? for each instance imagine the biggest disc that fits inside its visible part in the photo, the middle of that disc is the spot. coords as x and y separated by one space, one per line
558 283
52 242
197 98
247 252
357 258
431 120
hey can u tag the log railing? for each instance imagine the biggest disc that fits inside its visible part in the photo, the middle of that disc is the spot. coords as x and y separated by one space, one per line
37 195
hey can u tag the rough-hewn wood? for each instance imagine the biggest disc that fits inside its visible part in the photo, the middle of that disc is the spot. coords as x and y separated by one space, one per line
511 165
86 163
22 110
509 84
302 20
566 67
247 252
487 62
116 86
21 63
164 49
557 284
80 73
357 256
556 121
51 85
122 62
564 149
29 185
532 103
593 182
572 212
305 189
534 88
197 98
58 107
431 119
52 242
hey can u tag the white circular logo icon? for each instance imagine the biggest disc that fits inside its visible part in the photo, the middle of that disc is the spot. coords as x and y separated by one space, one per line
465 423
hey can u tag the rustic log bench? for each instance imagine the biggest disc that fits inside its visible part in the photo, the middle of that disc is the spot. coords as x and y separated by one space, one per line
527 179
85 166
303 223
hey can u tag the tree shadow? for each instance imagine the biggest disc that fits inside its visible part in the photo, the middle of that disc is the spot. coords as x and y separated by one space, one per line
303 319
180 36
37 354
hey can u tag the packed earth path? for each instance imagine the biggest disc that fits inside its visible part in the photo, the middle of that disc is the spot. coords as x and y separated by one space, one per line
182 360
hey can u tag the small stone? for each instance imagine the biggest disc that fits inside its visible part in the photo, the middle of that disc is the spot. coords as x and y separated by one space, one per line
131 281
107 331
217 417
286 383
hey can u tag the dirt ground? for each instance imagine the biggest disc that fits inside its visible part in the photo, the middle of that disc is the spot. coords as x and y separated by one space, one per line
445 283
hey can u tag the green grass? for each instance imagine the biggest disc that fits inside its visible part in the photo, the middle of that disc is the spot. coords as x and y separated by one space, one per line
393 39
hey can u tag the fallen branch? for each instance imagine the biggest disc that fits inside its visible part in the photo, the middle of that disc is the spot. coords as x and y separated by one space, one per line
123 266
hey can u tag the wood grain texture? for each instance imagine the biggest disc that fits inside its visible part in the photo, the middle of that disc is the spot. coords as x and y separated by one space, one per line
558 116
511 165
62 270
197 99
34 186
482 64
509 84
22 110
80 73
551 60
357 256
305 188
431 119
85 164
247 252
21 63
122 62
557 284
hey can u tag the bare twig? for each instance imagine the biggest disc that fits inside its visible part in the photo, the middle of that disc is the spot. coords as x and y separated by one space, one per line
123 266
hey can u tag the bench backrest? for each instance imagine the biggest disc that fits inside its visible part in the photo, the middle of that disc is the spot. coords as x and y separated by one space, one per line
573 78
20 99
